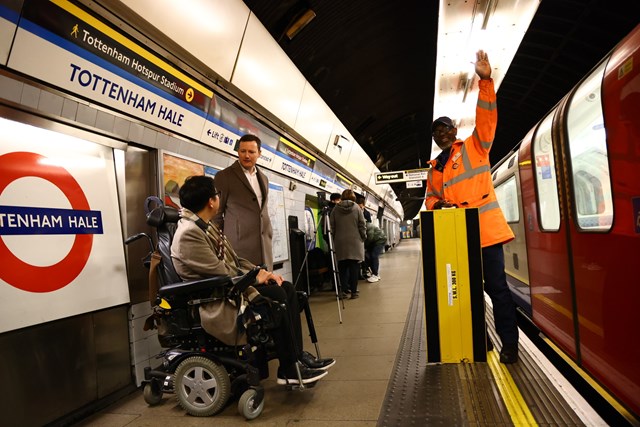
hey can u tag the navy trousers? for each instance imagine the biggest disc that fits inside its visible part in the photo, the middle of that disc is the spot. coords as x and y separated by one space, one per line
495 285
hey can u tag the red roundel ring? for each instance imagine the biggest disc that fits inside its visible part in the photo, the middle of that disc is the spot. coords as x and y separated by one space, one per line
50 278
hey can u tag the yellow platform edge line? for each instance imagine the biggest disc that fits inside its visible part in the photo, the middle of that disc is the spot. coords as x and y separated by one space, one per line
517 407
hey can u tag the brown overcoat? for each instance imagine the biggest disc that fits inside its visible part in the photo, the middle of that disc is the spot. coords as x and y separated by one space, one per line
245 224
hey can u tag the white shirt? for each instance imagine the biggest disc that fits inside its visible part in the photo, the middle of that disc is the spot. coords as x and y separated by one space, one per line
252 176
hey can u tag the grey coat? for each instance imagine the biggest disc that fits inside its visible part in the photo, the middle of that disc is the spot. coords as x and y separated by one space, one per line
246 225
349 231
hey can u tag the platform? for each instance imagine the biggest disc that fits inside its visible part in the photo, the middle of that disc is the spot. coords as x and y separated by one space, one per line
381 377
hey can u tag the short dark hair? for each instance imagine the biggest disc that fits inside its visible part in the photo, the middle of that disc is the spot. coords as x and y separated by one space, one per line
196 192
249 137
349 195
360 200
335 196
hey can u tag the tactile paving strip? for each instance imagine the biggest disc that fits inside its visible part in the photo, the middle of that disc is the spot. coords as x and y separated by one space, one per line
420 394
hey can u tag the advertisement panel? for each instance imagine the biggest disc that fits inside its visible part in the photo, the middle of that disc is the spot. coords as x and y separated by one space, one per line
61 240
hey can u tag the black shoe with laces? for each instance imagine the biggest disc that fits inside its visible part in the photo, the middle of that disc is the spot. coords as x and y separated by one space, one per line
311 362
290 377
509 354
489 344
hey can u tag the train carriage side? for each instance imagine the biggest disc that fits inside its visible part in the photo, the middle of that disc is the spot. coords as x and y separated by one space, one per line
603 155
581 219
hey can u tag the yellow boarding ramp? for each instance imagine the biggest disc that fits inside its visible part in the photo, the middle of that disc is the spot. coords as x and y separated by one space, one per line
453 286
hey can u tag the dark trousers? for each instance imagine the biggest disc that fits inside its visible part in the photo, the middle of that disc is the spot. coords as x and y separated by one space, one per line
373 258
495 285
288 336
349 271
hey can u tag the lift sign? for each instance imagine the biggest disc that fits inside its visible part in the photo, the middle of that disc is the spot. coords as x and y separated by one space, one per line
30 220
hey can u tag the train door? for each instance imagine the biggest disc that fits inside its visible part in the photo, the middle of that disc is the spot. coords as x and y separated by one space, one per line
602 158
549 275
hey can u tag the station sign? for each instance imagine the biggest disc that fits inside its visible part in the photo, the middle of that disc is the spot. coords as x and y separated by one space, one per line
402 176
60 231
64 44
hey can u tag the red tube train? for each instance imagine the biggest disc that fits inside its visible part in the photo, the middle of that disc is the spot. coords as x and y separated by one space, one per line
571 193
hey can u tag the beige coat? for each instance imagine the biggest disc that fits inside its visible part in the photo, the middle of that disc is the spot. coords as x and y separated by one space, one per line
193 253
246 225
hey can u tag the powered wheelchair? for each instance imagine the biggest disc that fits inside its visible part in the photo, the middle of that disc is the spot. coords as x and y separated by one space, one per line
200 369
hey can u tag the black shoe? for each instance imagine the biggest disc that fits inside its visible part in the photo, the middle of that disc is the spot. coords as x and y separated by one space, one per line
311 362
509 354
343 295
355 295
308 376
489 344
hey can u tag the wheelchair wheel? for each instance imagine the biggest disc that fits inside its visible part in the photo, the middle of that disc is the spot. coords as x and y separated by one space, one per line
152 392
246 405
202 386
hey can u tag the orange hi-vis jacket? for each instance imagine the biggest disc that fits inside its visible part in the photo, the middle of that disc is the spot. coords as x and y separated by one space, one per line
465 179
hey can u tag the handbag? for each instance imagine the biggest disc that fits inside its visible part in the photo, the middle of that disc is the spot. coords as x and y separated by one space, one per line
219 319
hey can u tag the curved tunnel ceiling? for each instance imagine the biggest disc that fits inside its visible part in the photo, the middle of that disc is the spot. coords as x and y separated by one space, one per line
373 62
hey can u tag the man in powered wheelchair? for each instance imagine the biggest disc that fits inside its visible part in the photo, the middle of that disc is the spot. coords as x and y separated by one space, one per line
214 321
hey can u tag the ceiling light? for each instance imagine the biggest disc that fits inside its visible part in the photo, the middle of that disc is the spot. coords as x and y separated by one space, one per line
302 21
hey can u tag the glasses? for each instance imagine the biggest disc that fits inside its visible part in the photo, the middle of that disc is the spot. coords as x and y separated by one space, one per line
441 131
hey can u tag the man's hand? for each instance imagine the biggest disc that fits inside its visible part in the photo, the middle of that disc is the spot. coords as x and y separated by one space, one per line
443 203
265 276
483 68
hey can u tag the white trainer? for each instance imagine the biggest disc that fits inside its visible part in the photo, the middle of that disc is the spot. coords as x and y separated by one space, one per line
373 278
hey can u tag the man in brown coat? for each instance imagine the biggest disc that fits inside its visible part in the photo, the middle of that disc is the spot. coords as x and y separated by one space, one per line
243 214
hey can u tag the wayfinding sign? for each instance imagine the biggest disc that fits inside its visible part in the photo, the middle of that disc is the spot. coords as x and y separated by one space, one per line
402 176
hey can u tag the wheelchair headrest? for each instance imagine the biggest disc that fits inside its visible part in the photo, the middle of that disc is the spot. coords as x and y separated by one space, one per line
162 215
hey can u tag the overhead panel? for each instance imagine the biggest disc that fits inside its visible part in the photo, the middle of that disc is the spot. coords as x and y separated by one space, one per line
315 119
339 145
210 31
266 73
359 164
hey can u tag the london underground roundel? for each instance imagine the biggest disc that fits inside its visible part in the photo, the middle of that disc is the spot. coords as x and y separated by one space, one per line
36 220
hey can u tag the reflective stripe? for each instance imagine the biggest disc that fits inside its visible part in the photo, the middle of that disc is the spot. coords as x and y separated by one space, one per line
466 161
487 105
434 193
433 188
485 144
488 207
468 174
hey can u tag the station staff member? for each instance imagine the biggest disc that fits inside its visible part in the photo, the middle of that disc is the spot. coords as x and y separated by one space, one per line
461 177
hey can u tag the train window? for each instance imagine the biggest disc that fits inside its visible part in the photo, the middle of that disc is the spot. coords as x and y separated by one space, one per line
589 158
546 180
507 195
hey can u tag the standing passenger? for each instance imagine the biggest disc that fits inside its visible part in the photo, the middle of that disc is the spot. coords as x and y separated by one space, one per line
374 246
334 199
461 177
349 232
360 202
243 214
